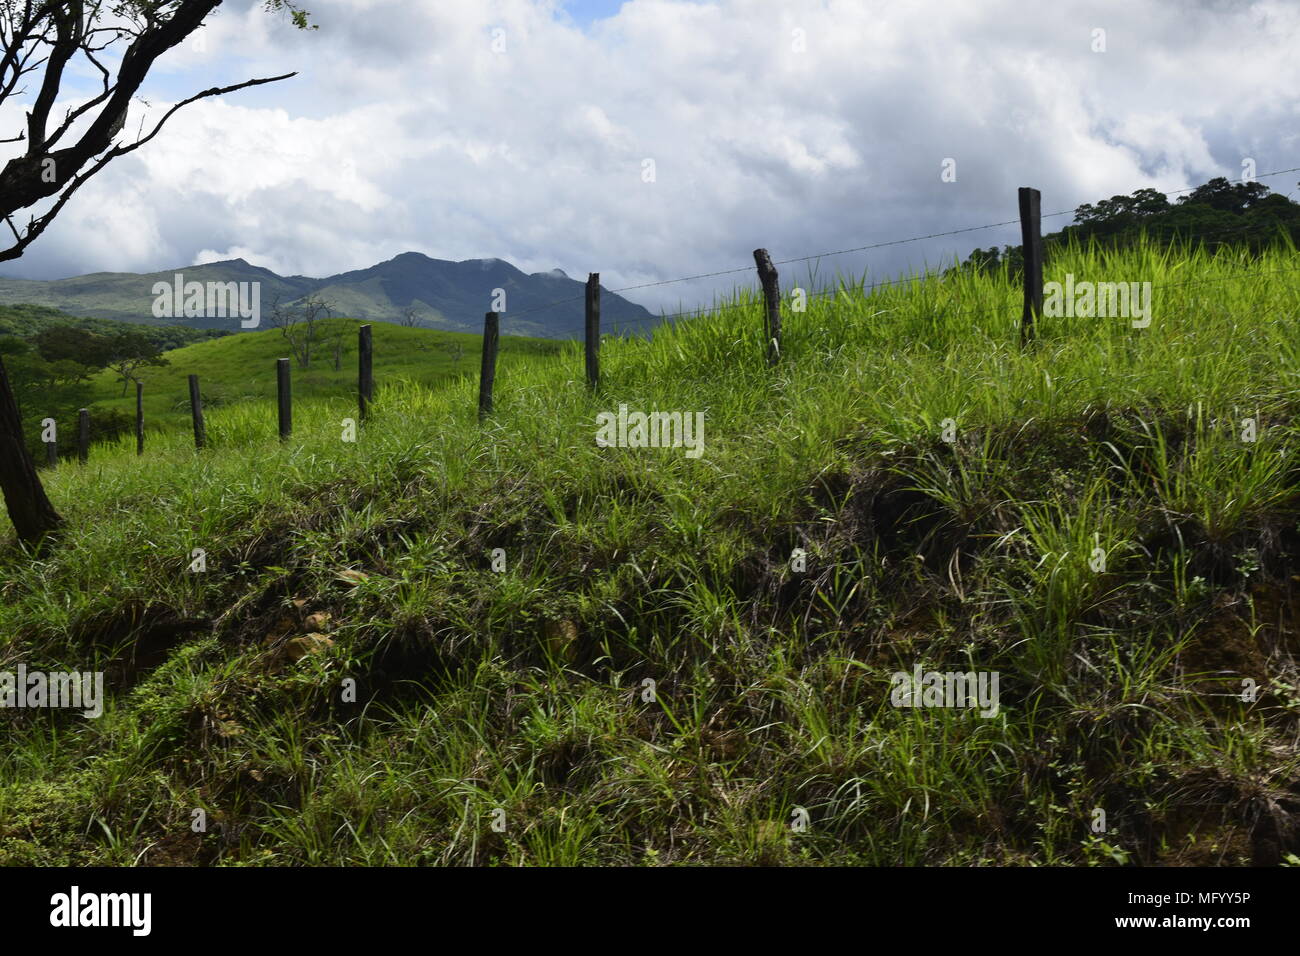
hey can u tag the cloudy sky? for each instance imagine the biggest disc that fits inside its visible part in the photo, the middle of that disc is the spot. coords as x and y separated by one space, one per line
527 129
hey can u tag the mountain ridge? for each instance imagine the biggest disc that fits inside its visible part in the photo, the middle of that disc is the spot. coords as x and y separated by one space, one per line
445 294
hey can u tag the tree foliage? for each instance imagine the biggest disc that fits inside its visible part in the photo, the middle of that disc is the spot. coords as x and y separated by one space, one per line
1216 213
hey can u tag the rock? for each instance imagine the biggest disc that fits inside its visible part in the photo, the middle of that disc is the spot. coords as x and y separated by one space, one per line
300 647
561 639
227 728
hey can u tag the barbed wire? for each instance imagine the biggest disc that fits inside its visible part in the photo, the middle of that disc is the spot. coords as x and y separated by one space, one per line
864 248
863 289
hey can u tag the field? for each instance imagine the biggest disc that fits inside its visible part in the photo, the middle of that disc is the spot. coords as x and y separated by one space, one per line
641 674
241 368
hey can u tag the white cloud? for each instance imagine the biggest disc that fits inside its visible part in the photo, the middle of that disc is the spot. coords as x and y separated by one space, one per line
404 130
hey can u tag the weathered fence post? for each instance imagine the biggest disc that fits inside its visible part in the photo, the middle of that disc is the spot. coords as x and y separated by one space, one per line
365 372
491 336
196 412
139 418
1031 242
52 449
285 398
772 295
83 435
593 329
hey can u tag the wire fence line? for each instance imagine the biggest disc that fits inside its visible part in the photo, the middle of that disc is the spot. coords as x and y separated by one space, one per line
866 289
981 310
860 288
365 387
1033 289
863 248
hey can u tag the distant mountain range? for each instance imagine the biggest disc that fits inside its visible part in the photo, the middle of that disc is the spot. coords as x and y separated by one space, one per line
444 294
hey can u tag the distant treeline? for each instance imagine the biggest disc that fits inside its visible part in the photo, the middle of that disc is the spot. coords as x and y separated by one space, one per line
1219 213
25 321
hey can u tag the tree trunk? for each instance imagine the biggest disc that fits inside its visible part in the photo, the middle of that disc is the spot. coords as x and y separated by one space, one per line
30 510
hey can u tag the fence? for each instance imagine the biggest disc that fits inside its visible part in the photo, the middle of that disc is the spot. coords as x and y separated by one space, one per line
1030 222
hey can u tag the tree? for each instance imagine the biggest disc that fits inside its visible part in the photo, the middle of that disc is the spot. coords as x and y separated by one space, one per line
337 339
297 322
1220 194
1216 214
131 351
66 372
67 343
410 317
1122 211
39 41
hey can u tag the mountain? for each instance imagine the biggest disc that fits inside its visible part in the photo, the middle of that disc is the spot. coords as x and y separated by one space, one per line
444 294
128 296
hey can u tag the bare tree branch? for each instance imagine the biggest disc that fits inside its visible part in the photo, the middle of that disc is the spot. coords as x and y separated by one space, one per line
43 172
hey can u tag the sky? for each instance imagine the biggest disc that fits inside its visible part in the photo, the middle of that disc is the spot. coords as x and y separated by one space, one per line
655 139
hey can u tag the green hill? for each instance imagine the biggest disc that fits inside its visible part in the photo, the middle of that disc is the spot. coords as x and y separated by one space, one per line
236 369
242 368
454 642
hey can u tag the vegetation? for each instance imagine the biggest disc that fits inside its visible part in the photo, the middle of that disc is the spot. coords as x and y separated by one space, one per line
53 360
649 680
28 321
232 369
1215 214
58 41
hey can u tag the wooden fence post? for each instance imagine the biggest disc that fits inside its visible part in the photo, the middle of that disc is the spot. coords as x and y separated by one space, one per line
772 295
365 371
593 329
139 418
1031 242
83 435
491 337
282 371
196 413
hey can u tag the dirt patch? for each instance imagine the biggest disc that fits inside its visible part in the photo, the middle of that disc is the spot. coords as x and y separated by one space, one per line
1223 650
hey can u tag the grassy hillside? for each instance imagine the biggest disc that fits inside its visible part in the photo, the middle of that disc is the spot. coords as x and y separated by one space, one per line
241 368
648 680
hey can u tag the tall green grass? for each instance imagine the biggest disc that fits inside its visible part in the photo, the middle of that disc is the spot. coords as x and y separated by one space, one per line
648 680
